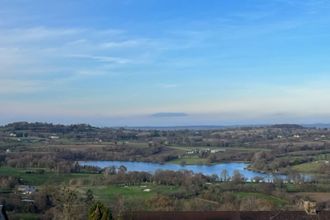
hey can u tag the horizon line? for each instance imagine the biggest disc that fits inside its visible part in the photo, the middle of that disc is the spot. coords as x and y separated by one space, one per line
176 126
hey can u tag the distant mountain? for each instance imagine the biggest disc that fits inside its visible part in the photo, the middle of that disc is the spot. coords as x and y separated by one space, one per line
287 126
317 125
197 127
55 128
47 127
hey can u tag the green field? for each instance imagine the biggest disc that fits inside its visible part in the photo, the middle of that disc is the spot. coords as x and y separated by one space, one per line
273 199
189 160
24 216
311 167
39 179
111 192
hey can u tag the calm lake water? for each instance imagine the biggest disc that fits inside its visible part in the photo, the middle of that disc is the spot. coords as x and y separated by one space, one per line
204 169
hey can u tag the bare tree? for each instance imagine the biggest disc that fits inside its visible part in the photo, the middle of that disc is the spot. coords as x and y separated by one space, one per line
224 176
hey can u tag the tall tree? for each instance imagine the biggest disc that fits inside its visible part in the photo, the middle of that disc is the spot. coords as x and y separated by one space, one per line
224 176
98 211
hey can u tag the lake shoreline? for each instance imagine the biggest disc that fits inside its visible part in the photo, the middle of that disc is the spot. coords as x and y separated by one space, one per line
205 169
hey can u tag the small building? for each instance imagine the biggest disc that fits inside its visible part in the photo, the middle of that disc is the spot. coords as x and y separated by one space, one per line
26 190
28 200
310 207
213 151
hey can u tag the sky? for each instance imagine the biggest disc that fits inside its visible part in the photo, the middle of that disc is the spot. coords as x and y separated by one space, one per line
165 63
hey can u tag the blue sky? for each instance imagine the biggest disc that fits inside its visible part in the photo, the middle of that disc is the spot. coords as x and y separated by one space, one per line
173 62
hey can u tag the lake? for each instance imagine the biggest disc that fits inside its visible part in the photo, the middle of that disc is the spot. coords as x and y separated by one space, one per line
204 169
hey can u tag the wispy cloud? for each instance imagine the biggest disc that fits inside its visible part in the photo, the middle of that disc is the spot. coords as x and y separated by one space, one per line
19 36
32 51
223 62
12 87
105 59
122 44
